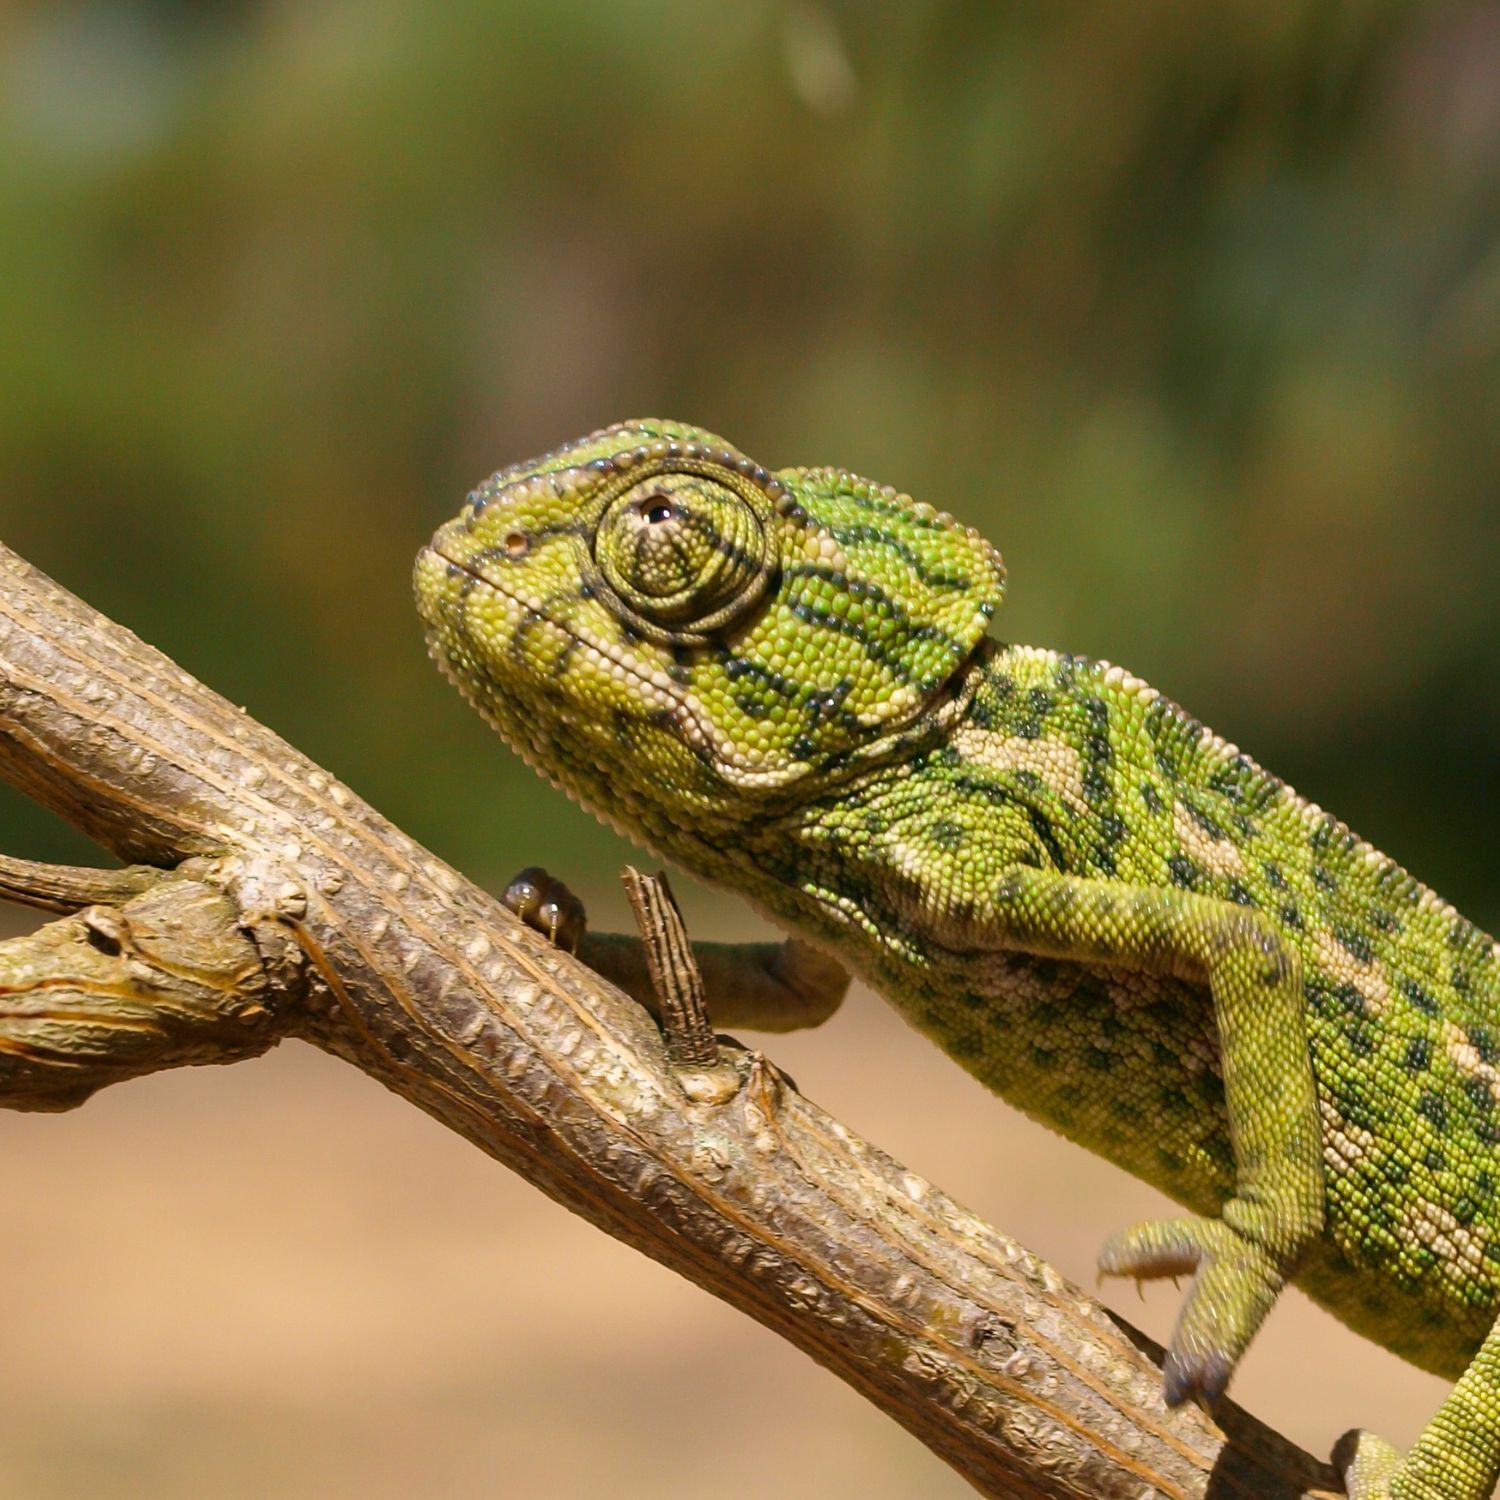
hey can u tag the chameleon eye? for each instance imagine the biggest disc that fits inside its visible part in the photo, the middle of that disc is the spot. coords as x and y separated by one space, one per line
683 553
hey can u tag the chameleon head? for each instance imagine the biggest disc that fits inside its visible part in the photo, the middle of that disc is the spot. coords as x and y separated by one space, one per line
656 622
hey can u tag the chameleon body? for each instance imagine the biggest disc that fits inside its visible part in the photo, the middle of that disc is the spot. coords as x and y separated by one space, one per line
785 683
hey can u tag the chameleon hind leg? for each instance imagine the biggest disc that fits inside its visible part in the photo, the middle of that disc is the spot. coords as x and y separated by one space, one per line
1241 1260
1457 1456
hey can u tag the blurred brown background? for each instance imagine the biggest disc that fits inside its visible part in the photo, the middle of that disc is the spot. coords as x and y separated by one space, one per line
1194 309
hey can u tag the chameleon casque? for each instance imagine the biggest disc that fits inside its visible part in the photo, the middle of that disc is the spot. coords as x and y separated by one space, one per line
784 682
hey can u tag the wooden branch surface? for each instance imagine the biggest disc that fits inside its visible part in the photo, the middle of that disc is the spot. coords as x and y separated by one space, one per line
299 911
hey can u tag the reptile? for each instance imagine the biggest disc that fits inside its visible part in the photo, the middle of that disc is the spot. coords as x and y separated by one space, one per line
786 683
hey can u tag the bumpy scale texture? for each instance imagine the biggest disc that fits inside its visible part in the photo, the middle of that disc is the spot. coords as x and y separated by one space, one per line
784 682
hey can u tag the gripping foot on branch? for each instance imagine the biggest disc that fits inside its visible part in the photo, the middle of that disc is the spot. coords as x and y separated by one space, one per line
779 987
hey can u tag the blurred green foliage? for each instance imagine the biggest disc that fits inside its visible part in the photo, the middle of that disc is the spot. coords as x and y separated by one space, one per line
1194 309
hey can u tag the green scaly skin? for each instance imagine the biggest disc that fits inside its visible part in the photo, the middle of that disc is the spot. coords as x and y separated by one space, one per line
783 682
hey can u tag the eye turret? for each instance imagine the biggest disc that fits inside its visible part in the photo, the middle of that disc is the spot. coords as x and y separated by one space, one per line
685 554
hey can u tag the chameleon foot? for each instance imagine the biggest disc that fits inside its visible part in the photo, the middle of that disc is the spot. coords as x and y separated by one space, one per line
1373 1470
1368 1465
1234 1283
1457 1456
543 902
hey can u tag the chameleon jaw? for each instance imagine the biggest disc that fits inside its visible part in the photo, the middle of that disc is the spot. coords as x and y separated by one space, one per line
442 608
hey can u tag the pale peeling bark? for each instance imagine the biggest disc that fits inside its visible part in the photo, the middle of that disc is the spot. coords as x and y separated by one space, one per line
293 909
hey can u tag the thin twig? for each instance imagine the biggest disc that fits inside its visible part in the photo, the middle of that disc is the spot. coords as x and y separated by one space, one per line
65 888
674 974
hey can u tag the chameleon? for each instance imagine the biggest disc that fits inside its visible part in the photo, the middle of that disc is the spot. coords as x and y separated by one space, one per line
786 683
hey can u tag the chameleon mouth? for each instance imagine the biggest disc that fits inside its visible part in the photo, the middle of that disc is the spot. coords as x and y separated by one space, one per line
658 692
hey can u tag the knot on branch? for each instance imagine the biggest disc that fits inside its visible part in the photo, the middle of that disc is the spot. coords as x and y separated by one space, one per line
168 979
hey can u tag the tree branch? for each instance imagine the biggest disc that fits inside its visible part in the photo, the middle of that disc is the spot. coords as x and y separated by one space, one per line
293 909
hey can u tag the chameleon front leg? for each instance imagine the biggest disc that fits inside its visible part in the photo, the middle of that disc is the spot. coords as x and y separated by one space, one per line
1241 1260
760 986
1457 1456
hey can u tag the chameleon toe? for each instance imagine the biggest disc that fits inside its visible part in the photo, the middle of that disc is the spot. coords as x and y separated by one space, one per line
1164 1247
547 906
1199 1376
